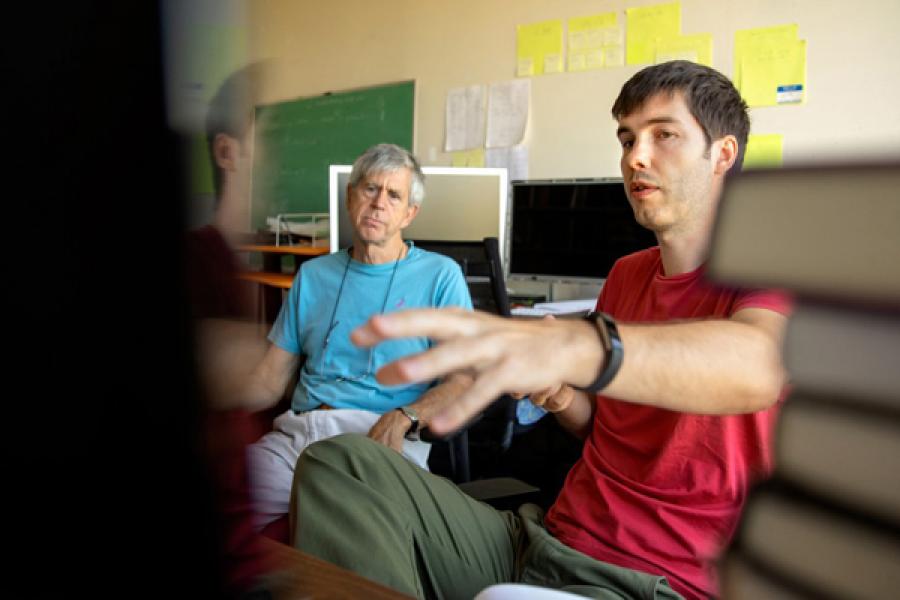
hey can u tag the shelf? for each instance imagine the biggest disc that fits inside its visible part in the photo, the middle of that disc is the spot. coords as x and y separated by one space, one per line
296 250
278 280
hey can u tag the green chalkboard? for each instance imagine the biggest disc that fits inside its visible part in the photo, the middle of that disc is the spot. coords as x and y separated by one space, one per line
297 140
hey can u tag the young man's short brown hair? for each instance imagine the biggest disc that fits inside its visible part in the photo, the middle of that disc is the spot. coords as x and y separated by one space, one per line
709 95
231 112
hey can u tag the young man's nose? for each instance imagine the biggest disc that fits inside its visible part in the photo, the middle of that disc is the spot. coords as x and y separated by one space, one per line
639 155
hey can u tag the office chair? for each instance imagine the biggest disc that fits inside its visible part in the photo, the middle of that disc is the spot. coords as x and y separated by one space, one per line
494 430
489 434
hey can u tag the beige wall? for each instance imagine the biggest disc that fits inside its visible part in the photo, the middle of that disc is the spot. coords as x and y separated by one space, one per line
330 45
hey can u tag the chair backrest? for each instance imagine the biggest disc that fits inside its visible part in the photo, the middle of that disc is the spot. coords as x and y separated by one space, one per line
469 254
498 282
492 433
481 266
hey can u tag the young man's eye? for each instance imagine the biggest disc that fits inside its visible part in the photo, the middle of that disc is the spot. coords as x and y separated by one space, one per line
664 135
626 143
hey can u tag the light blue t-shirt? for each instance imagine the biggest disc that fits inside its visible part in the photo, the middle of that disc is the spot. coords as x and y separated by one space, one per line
339 374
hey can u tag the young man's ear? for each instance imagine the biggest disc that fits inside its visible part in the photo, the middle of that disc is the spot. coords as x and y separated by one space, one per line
726 153
225 151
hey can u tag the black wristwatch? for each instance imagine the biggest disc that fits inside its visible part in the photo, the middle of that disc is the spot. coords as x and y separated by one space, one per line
412 433
612 346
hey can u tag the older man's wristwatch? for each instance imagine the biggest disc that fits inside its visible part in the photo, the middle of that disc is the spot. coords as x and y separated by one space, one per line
412 433
612 347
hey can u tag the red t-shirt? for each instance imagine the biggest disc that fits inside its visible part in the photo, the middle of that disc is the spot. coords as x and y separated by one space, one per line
215 292
655 490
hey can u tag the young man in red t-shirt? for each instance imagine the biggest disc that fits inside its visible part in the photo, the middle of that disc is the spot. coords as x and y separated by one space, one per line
690 374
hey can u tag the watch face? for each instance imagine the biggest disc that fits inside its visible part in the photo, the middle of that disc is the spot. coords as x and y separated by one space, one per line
413 417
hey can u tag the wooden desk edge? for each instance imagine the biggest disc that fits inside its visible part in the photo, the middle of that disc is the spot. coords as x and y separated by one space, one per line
295 573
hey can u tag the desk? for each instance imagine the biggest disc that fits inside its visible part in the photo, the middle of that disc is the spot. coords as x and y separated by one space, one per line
296 574
271 279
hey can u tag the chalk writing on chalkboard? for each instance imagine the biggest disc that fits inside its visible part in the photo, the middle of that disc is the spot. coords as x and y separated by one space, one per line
296 141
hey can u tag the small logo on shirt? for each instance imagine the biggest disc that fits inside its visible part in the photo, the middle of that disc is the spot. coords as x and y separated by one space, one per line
400 303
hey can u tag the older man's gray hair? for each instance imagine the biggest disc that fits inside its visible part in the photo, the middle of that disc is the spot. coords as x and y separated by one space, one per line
386 158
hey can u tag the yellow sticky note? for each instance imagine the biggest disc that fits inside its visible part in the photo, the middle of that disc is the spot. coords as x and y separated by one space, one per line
749 40
774 74
587 38
613 36
458 159
553 63
468 158
594 58
763 150
538 46
791 76
577 40
613 56
577 61
592 22
525 67
648 24
695 47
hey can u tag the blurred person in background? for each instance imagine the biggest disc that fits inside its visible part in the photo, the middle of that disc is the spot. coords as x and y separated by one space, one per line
227 340
111 495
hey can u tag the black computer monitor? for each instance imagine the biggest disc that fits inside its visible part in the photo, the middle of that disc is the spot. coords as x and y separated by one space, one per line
572 229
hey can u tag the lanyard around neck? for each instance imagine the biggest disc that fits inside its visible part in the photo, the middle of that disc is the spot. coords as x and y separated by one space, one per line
332 323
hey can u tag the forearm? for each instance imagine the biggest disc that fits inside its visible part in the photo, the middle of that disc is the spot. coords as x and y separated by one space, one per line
706 367
228 352
259 393
270 377
441 395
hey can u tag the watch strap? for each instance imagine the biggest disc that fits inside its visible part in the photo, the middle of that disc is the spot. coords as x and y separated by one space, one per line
413 432
612 347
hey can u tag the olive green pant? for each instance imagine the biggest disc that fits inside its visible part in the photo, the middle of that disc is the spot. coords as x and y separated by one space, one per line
364 507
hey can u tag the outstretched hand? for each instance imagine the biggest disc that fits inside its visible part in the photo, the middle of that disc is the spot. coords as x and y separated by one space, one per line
501 354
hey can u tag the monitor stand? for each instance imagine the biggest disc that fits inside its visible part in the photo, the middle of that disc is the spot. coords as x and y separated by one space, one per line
574 290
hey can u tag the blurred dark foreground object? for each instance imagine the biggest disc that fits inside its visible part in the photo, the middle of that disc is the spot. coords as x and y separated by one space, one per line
827 525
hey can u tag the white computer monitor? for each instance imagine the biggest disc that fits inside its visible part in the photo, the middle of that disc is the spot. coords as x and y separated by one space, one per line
461 204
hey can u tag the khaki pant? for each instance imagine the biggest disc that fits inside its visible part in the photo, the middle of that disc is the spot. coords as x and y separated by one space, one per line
360 505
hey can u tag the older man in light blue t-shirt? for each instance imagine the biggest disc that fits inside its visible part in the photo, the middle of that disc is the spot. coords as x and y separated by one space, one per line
330 297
